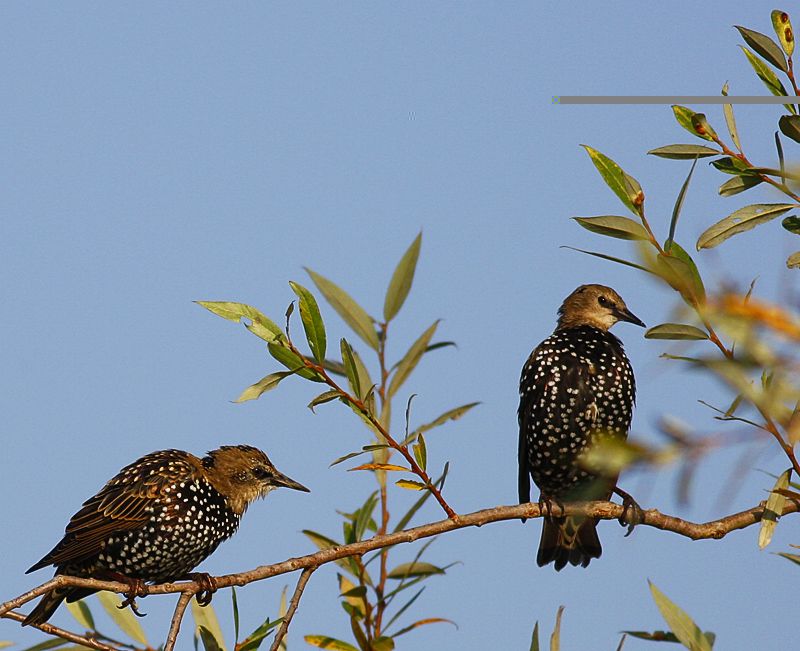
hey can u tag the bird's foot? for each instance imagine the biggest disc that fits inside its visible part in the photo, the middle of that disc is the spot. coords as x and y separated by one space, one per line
136 588
632 513
208 586
546 504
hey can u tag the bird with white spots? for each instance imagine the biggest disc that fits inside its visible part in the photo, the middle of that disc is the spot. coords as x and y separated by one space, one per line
157 519
576 387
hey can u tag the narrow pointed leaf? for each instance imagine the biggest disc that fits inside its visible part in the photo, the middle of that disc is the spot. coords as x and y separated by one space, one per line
411 359
793 261
535 638
424 622
364 379
451 414
622 228
406 570
421 452
765 46
684 152
555 638
783 29
324 397
210 643
401 281
795 558
695 123
611 258
766 75
792 224
292 362
206 618
235 606
379 466
740 221
773 510
267 329
325 642
738 184
125 619
262 386
346 307
680 273
790 126
616 179
80 611
418 504
730 120
323 542
411 484
702 128
676 209
350 368
675 331
350 455
679 622
312 321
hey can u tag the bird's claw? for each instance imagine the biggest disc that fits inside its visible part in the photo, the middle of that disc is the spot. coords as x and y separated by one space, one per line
208 586
546 505
632 513
137 589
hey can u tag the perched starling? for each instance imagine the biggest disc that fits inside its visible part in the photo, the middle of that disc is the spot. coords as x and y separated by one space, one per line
576 386
158 519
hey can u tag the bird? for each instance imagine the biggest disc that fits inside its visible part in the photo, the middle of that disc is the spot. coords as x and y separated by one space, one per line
157 519
576 387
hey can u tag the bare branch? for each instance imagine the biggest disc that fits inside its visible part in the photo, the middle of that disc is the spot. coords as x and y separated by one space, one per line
177 618
287 618
601 510
66 635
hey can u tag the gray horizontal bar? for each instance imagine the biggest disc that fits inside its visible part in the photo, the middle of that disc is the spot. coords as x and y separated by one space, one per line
674 99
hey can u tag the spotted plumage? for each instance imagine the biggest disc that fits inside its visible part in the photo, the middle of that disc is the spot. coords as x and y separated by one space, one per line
158 518
576 386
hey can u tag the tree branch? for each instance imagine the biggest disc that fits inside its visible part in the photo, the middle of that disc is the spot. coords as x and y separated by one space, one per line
83 640
287 618
601 510
177 618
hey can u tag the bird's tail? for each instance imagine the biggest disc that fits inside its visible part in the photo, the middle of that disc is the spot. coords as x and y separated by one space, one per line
52 600
568 540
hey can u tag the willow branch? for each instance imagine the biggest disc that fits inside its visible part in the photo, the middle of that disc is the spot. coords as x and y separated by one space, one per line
287 618
83 640
177 618
714 529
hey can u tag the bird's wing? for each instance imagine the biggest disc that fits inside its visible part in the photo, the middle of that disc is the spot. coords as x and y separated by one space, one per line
123 504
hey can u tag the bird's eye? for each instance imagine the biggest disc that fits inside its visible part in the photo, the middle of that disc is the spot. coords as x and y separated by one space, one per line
603 301
259 472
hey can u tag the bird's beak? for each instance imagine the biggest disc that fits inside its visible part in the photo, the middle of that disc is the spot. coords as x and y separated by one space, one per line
630 317
282 480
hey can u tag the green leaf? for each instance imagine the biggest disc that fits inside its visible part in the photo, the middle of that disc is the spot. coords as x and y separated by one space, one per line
254 640
451 414
205 618
655 636
80 611
322 398
262 386
795 558
679 622
783 30
401 281
346 307
291 361
325 642
424 622
773 509
792 224
702 128
254 320
793 261
766 75
406 570
410 360
364 381
235 607
684 152
611 258
421 452
681 273
52 643
535 638
418 504
622 228
411 484
323 542
790 126
765 46
555 638
730 120
676 209
694 123
312 321
738 184
740 221
730 165
124 618
676 331
383 643
350 368
624 186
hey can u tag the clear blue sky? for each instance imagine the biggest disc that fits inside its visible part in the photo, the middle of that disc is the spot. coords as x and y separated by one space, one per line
153 154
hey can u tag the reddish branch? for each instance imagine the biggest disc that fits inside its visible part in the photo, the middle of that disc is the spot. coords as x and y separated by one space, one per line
602 510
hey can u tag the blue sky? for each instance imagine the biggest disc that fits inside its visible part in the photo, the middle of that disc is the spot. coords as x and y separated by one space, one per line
155 154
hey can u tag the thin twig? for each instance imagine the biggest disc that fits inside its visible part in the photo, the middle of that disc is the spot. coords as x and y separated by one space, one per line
287 618
177 618
600 510
66 635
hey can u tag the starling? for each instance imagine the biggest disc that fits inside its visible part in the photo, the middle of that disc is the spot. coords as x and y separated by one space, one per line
576 386
158 519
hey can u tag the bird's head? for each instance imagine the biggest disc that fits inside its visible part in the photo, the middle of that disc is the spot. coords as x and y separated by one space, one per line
594 305
243 473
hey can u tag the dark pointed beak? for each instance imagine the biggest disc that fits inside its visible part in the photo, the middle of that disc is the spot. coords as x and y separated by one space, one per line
282 480
630 317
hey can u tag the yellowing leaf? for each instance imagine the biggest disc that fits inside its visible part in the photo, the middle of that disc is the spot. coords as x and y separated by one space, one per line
680 623
125 619
773 510
401 281
325 642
